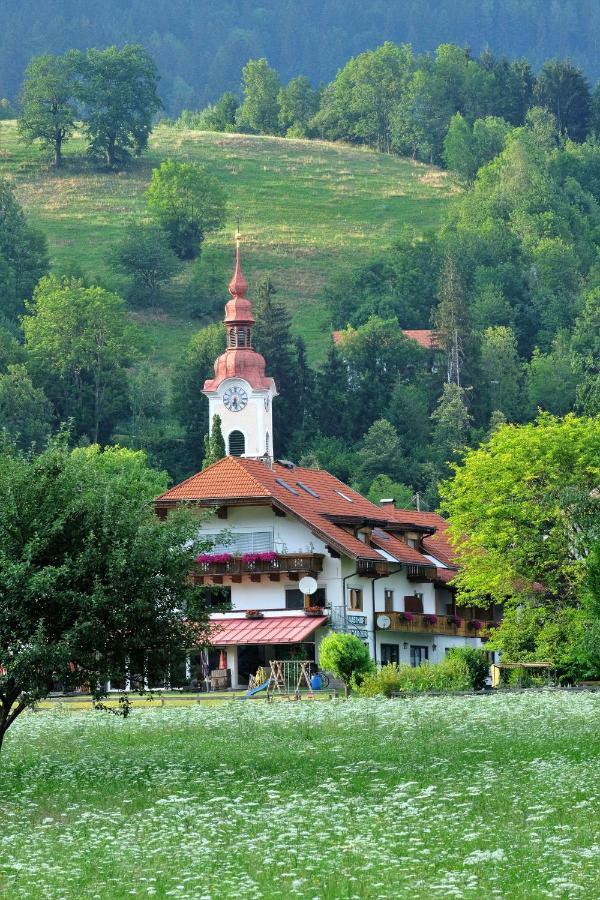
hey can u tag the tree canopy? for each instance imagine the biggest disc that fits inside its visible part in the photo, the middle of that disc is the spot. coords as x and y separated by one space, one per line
187 202
118 90
92 579
522 510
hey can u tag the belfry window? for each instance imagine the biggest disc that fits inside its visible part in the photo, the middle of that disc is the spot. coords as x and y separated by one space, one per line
237 444
239 337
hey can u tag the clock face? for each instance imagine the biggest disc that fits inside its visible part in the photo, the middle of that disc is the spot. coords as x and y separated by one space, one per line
235 398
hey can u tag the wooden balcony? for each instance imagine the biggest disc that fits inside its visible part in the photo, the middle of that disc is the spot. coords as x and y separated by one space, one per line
424 623
293 565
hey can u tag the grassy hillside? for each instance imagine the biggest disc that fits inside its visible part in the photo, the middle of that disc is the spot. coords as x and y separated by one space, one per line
306 208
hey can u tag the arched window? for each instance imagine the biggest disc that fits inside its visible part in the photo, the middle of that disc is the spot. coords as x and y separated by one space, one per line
237 444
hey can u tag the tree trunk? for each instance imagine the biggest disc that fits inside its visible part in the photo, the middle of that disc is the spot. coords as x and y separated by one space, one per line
110 151
58 151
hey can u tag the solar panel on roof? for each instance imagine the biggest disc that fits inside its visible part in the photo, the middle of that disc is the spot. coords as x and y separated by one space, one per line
308 490
287 486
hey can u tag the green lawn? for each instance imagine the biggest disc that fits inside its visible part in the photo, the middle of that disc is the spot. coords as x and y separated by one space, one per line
307 208
480 797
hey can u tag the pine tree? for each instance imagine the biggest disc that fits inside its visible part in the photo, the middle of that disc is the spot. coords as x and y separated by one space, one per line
450 318
214 443
272 336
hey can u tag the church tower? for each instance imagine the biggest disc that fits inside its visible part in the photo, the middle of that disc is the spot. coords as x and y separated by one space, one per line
240 393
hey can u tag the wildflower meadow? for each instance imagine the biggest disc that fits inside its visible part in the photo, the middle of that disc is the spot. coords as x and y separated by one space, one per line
493 796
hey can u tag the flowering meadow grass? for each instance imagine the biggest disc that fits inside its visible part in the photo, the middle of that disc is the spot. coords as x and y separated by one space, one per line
432 797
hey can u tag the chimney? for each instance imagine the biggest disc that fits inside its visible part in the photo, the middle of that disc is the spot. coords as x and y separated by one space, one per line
387 503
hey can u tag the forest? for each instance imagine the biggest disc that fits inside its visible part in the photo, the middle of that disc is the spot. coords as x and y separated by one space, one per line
508 284
200 47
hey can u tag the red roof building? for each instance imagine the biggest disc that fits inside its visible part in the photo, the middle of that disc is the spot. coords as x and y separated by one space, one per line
283 542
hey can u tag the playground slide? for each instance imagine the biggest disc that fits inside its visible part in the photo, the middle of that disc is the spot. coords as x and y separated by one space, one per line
257 690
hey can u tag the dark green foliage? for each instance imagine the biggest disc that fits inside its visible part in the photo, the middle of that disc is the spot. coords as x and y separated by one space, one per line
477 663
90 576
286 364
144 254
118 90
219 117
380 453
208 292
25 412
214 443
563 89
400 283
189 405
298 102
23 255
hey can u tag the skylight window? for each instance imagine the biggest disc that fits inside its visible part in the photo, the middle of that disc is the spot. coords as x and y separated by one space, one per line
308 490
344 496
287 486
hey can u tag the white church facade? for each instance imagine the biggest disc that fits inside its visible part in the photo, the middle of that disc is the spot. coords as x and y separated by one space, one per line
374 571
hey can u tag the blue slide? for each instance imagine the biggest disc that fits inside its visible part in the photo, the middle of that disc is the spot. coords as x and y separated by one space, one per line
257 690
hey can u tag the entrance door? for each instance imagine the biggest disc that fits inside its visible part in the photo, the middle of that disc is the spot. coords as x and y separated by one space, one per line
418 655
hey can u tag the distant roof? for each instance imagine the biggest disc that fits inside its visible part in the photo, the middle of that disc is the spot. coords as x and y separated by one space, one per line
330 508
424 337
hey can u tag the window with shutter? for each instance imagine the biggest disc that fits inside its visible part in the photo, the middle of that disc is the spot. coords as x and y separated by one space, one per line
240 543
413 603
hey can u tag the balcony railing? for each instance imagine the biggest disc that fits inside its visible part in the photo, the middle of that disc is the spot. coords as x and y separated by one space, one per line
435 624
287 562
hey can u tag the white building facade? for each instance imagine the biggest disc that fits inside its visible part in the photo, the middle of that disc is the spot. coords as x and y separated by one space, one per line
376 572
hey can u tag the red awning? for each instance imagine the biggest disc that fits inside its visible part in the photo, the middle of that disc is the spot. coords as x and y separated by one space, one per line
268 630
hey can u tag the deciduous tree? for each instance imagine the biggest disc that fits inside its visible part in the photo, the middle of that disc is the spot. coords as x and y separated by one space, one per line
78 341
513 521
48 104
259 111
187 202
119 94
145 255
25 412
90 577
23 255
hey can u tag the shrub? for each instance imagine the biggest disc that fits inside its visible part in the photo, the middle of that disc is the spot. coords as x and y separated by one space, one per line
476 662
452 674
346 657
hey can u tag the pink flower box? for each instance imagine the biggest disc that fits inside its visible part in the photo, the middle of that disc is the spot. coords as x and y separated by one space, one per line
207 559
406 617
430 619
268 557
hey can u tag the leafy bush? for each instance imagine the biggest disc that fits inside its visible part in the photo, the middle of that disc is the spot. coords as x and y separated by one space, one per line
477 663
452 674
346 657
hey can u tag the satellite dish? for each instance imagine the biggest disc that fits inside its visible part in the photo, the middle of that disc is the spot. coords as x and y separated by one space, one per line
308 585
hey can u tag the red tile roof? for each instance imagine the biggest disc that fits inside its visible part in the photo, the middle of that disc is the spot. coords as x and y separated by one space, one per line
238 479
424 337
268 630
398 549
